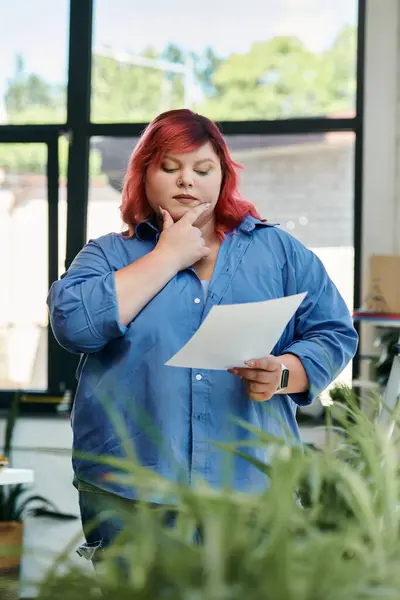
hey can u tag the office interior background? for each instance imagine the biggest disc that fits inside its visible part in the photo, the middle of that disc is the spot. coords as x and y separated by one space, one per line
307 93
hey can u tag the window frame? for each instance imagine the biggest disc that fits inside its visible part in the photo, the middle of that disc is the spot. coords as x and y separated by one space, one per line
79 129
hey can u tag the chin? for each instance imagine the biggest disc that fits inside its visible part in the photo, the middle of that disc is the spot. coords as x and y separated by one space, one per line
178 212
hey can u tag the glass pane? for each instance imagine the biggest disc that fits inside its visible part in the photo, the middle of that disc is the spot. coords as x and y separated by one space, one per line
33 66
270 60
302 182
24 266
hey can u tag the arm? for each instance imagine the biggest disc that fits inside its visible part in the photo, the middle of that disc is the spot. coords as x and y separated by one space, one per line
324 339
139 282
263 376
298 380
92 304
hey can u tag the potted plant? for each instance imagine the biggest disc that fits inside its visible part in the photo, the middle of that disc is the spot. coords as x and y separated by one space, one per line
327 528
15 504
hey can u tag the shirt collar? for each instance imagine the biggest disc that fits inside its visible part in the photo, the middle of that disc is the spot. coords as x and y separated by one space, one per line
250 223
147 231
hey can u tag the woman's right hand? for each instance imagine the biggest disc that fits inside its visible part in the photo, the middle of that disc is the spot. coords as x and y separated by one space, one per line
182 241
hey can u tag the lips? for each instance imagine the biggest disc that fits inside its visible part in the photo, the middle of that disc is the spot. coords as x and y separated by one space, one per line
184 197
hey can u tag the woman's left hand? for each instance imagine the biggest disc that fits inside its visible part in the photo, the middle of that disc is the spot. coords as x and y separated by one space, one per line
262 377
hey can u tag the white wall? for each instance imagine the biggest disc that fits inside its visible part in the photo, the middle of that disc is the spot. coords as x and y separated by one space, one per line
381 198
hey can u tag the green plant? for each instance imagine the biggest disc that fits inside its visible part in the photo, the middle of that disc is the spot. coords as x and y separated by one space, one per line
327 528
15 502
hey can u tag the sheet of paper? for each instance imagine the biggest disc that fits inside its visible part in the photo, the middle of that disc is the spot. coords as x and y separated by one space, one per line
234 333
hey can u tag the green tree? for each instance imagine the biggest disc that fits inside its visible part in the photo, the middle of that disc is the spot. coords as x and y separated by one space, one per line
280 78
19 159
129 92
275 79
173 84
339 76
205 66
30 99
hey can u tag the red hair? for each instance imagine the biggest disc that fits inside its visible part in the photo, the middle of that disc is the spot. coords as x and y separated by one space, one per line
181 131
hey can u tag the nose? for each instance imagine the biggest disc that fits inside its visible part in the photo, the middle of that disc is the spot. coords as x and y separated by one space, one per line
185 179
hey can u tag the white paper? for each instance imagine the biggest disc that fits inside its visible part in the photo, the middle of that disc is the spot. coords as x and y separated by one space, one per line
234 333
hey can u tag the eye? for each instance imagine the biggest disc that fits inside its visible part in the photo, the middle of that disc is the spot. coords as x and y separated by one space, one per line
168 170
202 172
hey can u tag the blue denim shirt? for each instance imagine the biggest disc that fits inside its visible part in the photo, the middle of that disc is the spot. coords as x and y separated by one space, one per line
173 415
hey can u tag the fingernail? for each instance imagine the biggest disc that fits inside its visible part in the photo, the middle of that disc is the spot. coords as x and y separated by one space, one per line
233 371
249 363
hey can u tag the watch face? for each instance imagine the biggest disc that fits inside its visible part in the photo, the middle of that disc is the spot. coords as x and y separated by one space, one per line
284 378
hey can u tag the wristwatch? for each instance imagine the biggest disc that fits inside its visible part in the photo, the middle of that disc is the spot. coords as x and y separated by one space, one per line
284 378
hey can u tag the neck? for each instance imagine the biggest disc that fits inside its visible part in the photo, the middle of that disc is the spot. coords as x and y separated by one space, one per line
208 231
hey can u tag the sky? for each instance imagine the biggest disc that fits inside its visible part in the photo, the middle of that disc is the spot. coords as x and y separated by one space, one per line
39 28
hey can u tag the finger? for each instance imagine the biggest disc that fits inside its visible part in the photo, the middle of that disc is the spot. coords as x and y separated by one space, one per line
167 219
260 397
255 375
206 251
192 215
268 363
260 388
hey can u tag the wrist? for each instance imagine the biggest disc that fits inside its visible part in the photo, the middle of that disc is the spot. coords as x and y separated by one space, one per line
284 379
165 261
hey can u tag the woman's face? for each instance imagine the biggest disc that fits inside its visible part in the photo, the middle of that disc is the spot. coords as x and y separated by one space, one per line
183 181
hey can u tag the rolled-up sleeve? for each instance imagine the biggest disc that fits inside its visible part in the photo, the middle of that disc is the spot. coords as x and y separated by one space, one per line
83 303
325 339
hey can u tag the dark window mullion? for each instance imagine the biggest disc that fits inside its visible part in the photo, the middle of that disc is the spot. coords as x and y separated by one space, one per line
277 127
54 376
79 92
358 167
30 134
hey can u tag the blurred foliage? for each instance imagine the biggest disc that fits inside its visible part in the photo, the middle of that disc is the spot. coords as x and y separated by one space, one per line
326 528
19 159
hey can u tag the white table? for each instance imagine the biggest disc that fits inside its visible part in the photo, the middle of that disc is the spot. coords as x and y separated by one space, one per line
14 476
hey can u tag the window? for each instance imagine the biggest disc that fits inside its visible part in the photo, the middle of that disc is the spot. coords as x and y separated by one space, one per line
302 182
33 67
269 60
24 266
266 69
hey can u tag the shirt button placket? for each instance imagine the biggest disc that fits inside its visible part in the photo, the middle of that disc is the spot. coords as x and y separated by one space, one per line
199 425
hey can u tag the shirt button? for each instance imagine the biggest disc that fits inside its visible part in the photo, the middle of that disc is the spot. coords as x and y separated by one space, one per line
197 300
199 377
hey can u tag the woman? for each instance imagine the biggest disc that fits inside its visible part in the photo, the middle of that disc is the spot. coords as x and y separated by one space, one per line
130 301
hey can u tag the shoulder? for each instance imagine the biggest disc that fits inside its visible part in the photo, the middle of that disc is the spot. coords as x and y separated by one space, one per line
110 240
117 248
118 243
272 235
287 250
